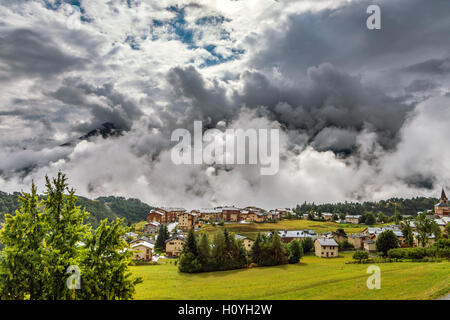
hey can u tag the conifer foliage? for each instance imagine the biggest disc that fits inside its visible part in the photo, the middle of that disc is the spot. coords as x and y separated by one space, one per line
46 241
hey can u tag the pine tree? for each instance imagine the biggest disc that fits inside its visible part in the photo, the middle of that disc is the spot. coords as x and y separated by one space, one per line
191 243
295 251
160 244
22 269
104 267
278 252
66 229
189 259
204 252
256 251
44 238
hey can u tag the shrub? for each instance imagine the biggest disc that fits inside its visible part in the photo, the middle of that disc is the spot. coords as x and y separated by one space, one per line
397 253
415 253
360 255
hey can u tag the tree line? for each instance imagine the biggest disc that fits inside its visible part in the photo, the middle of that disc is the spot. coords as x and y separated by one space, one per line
225 252
388 207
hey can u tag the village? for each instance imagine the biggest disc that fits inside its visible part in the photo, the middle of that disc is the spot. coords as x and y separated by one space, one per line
325 245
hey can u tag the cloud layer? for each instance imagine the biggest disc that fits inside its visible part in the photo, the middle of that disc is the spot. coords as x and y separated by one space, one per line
363 114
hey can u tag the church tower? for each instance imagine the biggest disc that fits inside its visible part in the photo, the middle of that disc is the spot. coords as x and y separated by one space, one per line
442 208
443 197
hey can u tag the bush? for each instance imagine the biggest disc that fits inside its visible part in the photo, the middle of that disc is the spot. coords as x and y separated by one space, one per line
397 253
360 255
415 253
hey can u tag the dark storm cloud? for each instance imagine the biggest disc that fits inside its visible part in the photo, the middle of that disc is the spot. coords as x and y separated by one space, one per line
421 85
331 98
26 53
205 101
431 67
114 107
409 30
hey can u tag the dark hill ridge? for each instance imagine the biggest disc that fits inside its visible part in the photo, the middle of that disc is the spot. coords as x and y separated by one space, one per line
106 130
133 210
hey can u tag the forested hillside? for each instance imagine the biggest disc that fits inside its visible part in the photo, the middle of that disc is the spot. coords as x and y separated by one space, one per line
387 207
133 210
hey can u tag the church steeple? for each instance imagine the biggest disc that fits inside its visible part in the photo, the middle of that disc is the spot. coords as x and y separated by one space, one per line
443 196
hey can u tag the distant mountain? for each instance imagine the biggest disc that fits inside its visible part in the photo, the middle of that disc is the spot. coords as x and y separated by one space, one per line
133 210
106 130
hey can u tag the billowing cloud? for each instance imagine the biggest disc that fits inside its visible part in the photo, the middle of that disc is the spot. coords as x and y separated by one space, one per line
363 114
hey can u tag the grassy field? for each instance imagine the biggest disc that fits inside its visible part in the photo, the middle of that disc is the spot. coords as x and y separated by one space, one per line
251 230
312 278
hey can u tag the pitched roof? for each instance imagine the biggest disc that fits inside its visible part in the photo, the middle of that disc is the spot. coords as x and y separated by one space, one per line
173 209
209 210
144 244
178 236
327 242
297 233
158 211
357 235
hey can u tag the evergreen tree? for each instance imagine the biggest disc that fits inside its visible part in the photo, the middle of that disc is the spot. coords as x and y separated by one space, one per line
22 269
191 243
204 252
278 251
218 251
295 251
104 266
189 260
44 239
160 244
166 233
65 230
256 251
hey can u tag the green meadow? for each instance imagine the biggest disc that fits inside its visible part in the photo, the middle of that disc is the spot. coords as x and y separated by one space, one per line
312 278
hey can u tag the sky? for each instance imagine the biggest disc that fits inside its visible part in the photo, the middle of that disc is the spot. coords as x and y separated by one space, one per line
363 114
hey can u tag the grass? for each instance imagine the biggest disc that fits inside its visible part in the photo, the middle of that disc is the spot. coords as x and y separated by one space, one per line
312 278
251 230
